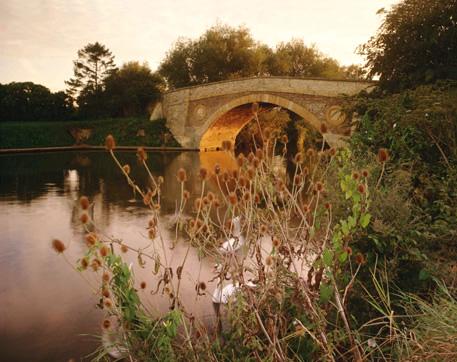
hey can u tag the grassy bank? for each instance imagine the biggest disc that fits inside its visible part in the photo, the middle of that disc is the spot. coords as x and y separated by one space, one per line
53 134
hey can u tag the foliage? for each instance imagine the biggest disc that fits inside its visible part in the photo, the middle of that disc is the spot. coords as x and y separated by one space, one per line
94 64
223 52
32 102
131 90
416 44
52 134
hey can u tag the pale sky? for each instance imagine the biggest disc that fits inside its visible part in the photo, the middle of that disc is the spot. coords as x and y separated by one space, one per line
39 39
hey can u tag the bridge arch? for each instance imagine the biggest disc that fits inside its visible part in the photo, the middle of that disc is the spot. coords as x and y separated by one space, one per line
215 134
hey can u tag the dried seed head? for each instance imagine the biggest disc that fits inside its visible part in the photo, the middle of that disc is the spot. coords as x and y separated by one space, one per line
210 196
182 175
306 208
126 169
141 154
84 263
124 248
365 173
96 264
355 175
202 286
348 250
310 152
383 155
269 260
328 205
217 203
160 180
263 229
246 197
110 144
276 242
106 324
255 162
298 158
259 154
104 251
84 218
198 203
152 232
361 188
106 293
319 186
233 199
205 201
251 173
91 239
203 174
105 277
360 259
152 222
284 139
58 246
332 151
84 202
108 303
298 180
143 285
217 169
324 128
257 199
225 177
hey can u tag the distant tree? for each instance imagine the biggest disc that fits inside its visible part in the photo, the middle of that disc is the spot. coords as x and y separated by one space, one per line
26 101
222 52
132 89
296 59
94 64
416 44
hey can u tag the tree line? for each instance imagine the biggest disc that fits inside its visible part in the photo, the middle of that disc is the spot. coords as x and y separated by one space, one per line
416 44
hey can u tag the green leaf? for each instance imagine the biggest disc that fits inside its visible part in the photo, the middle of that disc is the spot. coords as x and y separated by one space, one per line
343 257
327 257
325 292
424 275
365 219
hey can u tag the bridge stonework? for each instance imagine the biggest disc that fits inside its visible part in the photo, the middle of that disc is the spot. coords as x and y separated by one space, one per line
192 113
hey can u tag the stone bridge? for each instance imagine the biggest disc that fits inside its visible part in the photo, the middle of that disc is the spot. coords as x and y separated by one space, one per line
199 116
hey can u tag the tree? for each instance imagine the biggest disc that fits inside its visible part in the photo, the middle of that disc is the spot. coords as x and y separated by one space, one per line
132 89
27 101
416 44
222 52
95 62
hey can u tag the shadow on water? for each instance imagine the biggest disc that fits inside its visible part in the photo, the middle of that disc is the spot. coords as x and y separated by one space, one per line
45 306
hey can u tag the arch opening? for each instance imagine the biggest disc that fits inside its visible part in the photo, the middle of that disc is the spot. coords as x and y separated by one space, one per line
229 120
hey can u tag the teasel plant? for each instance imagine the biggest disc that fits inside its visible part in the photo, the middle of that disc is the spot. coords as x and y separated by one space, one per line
291 264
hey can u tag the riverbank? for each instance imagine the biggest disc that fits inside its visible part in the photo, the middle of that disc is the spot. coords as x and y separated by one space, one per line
129 132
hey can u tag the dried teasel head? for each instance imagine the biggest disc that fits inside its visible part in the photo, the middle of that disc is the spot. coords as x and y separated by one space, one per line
383 155
143 285
181 175
106 324
203 174
323 128
298 158
141 154
84 218
124 248
284 139
58 246
361 188
104 251
110 143
217 169
91 239
233 199
365 173
355 175
259 154
84 202
319 186
126 169
360 259
186 195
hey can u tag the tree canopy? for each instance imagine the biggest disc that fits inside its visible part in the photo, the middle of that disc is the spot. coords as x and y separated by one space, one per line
27 101
131 90
224 52
416 44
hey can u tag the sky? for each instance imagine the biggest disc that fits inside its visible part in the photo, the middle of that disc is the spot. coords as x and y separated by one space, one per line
39 39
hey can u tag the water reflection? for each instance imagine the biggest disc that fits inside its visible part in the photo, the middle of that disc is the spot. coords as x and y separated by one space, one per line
45 305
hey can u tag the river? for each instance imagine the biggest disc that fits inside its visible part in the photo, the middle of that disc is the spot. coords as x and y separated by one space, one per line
47 310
